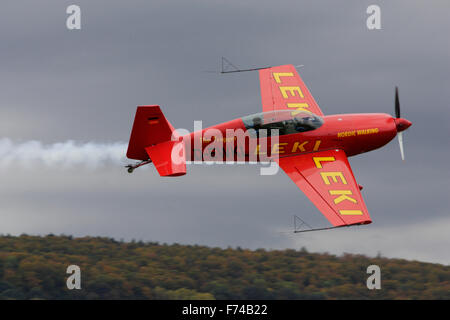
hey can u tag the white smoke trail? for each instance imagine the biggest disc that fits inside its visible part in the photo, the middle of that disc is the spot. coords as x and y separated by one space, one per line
61 155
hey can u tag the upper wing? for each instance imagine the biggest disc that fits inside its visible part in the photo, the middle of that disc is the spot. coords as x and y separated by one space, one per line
327 180
283 89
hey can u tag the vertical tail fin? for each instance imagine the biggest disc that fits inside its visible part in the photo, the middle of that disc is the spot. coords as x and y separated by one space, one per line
150 127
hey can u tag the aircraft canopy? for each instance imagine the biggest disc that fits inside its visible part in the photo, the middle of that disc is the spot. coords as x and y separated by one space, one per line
283 120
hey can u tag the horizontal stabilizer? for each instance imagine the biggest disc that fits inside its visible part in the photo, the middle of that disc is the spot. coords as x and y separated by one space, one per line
169 158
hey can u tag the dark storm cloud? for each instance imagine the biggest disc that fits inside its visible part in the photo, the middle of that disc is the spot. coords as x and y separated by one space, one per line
84 85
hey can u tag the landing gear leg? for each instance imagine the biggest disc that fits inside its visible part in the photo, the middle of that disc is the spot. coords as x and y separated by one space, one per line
131 167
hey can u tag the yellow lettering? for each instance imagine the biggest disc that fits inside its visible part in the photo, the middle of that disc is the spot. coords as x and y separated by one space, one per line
333 175
299 106
317 161
292 90
368 131
278 147
346 134
342 196
351 212
297 145
316 145
277 75
257 150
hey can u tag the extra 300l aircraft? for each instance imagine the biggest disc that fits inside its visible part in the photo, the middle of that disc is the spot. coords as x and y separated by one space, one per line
311 148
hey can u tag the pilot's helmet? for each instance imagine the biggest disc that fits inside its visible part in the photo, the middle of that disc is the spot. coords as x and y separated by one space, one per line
308 121
257 121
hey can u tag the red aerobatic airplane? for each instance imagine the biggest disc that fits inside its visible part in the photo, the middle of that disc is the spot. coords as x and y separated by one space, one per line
312 148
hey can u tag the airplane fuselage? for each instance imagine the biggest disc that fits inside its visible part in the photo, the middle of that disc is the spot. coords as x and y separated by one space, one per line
353 133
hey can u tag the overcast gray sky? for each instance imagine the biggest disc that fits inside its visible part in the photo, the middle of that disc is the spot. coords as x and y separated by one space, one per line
58 85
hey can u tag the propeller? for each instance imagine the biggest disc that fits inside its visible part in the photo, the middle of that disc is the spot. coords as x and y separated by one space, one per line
402 124
400 142
397 104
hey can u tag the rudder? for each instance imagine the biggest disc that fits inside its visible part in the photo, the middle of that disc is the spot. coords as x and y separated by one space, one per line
150 127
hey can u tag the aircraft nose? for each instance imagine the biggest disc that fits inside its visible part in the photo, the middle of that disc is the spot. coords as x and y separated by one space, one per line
402 124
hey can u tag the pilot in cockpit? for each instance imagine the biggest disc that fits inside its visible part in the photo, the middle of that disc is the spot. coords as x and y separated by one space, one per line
304 124
257 123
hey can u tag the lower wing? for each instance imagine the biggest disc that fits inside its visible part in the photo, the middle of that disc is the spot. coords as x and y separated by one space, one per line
327 180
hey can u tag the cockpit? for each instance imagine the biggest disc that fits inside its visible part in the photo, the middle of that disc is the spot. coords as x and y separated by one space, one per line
282 122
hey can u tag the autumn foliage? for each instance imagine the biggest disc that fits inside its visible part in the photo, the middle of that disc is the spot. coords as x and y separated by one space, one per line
34 267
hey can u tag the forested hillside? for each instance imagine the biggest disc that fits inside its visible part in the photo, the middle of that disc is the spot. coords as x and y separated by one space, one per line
35 268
